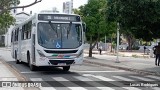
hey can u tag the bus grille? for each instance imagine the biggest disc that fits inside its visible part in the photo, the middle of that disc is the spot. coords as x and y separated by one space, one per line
55 62
60 52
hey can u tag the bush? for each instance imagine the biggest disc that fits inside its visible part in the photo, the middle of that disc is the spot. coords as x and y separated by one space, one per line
2 44
135 48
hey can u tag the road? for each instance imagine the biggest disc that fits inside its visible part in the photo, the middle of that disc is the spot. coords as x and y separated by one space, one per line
84 77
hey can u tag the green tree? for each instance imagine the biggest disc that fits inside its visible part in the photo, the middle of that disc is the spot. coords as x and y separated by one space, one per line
6 18
5 21
93 15
141 18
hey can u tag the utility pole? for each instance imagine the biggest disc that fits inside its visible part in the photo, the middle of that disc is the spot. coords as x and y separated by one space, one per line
117 60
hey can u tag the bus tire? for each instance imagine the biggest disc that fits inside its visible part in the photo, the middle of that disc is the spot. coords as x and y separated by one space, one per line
66 68
17 61
31 66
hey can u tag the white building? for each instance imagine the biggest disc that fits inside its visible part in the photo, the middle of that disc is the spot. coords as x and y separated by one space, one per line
68 7
20 17
54 10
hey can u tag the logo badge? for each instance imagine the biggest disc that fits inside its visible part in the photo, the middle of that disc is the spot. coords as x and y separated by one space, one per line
58 45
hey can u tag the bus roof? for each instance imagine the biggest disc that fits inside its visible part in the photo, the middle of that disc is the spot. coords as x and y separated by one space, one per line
33 16
56 13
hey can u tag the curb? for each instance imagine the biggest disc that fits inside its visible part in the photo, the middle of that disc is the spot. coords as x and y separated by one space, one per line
11 68
122 55
17 74
142 72
5 49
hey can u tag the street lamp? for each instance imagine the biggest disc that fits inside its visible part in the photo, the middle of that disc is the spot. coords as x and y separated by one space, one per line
117 60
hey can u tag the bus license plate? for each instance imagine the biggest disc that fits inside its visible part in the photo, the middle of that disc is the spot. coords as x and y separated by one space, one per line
61 64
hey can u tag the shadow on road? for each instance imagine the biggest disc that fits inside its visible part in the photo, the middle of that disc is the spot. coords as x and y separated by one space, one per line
24 68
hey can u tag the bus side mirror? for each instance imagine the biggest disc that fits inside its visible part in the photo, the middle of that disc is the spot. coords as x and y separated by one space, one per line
84 27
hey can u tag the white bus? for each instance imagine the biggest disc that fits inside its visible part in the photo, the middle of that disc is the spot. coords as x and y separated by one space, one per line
49 40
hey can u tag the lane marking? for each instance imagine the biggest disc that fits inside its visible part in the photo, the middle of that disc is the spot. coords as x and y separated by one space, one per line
154 77
99 77
156 88
59 79
99 71
47 88
75 71
28 72
8 79
142 78
11 88
131 88
107 79
123 78
105 88
68 82
42 88
36 79
82 78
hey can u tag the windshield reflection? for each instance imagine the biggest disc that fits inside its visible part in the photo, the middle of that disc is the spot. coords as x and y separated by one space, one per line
59 35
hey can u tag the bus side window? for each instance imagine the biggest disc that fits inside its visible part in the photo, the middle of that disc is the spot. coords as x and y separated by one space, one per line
29 29
29 34
12 37
23 32
15 33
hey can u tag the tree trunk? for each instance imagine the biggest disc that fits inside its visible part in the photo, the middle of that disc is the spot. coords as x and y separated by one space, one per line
129 44
90 47
90 52
111 44
130 40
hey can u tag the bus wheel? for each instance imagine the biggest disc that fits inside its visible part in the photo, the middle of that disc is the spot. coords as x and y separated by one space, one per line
66 68
17 61
32 67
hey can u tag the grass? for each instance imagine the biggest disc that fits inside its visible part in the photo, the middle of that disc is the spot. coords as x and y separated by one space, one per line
135 56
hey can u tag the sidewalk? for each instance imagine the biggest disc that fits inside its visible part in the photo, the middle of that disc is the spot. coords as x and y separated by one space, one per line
121 53
7 75
140 65
10 74
5 48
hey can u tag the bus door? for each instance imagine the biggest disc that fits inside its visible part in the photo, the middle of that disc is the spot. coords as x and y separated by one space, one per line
19 44
12 44
33 48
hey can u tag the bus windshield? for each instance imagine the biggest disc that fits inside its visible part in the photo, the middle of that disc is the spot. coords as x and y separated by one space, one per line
59 35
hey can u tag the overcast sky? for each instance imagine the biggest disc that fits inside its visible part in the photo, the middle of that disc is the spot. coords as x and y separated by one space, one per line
49 4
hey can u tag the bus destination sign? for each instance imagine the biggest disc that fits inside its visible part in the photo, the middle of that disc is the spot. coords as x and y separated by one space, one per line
59 17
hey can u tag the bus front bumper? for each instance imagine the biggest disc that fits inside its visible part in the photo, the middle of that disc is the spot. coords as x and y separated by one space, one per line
59 62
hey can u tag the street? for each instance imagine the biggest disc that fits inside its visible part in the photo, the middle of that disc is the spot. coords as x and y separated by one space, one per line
85 77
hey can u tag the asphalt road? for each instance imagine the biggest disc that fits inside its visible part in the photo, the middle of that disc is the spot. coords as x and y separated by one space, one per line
84 77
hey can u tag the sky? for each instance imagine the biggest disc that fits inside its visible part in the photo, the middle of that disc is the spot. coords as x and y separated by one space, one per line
48 5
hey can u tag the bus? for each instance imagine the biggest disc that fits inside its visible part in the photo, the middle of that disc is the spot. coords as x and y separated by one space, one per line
49 39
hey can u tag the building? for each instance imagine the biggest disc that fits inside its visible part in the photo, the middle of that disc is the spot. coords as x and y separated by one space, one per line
68 7
54 10
20 17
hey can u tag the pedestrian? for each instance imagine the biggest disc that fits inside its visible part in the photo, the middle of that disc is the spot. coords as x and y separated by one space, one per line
154 52
144 49
100 47
157 53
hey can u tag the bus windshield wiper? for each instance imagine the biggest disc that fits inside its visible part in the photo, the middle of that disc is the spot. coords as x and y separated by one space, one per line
69 29
50 24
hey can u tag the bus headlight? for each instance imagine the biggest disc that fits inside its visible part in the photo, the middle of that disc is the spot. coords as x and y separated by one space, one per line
41 53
